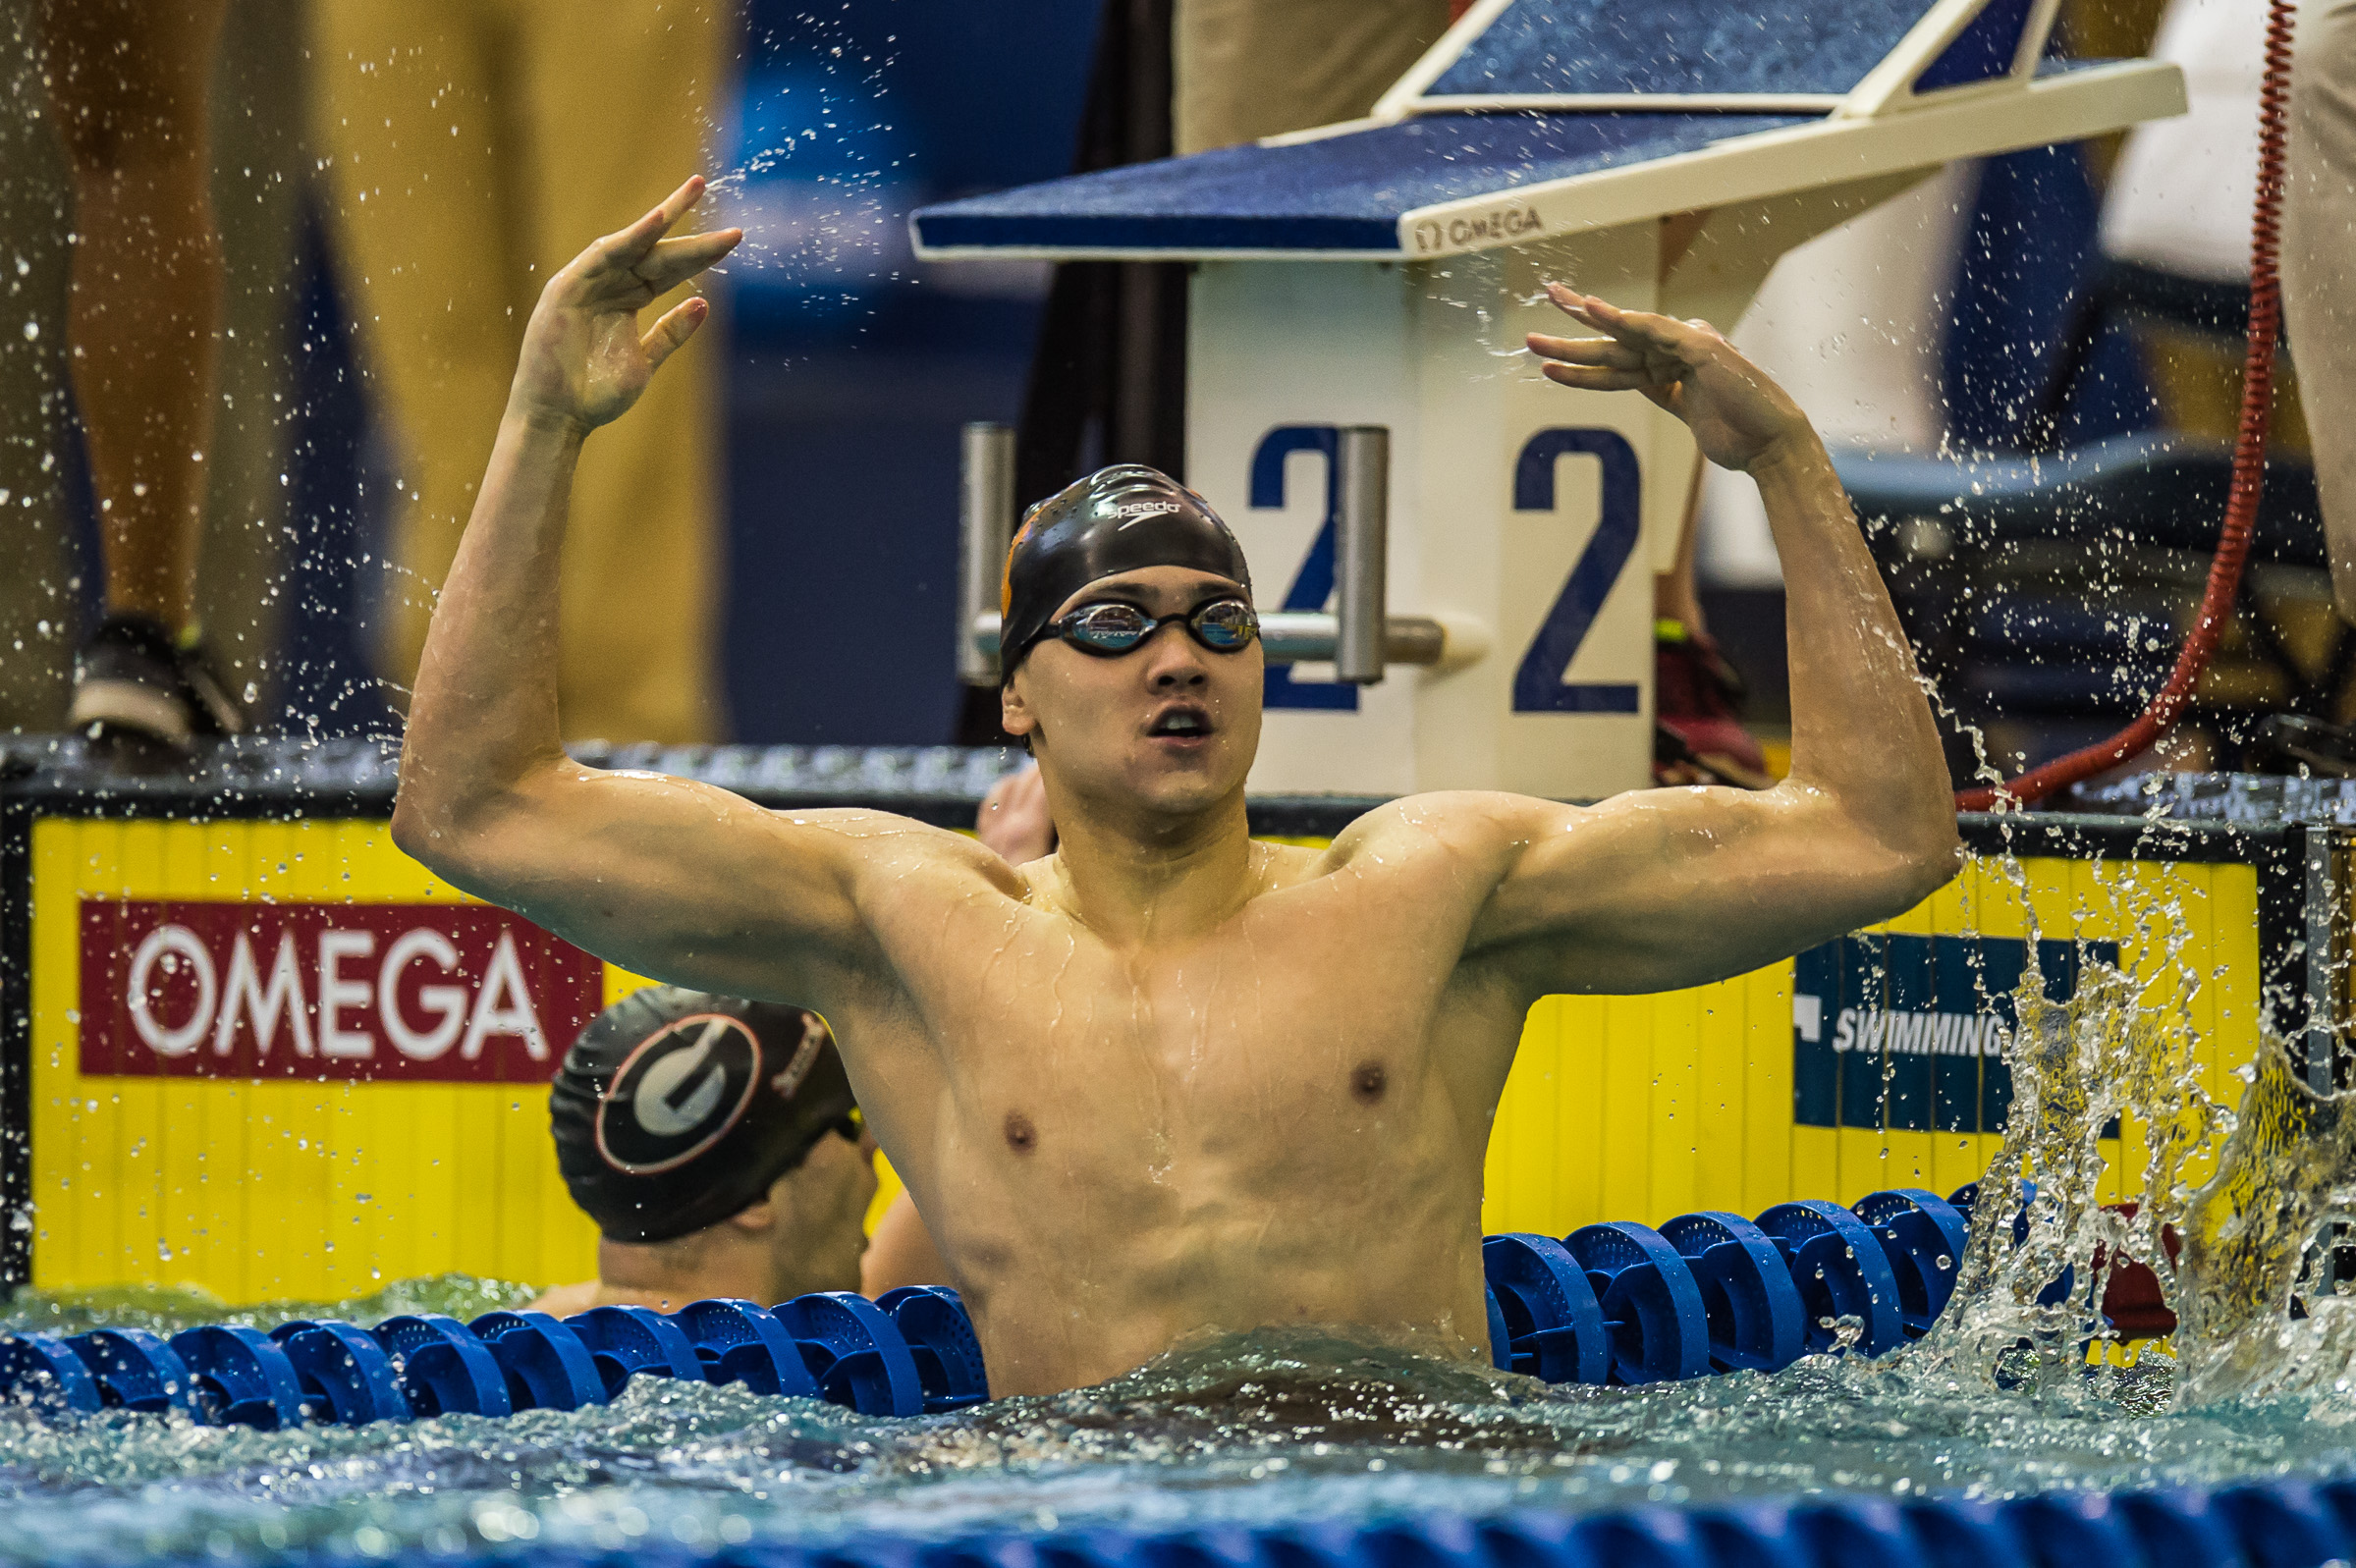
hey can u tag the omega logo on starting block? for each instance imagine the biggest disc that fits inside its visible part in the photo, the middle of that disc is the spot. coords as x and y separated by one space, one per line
1475 229
433 992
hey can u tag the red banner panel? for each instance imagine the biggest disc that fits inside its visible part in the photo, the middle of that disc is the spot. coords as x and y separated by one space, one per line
372 992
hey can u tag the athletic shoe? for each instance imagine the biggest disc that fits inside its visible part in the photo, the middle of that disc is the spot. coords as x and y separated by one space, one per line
1697 707
2294 743
137 693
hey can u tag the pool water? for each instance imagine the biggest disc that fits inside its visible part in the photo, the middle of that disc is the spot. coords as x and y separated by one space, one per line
1257 1430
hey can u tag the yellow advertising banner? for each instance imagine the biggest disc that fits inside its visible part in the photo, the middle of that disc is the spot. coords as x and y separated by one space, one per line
280 1060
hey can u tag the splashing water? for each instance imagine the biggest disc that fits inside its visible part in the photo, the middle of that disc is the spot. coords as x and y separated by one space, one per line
2288 1174
1271 1427
818 177
2078 1067
2252 1191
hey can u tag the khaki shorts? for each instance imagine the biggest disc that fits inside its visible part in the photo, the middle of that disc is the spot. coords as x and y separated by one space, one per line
1247 69
2319 264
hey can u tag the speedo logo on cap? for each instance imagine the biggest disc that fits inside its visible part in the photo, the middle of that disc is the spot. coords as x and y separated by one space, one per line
814 1036
1145 509
676 1094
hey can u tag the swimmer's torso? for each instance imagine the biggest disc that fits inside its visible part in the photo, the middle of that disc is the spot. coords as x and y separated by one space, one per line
1279 1121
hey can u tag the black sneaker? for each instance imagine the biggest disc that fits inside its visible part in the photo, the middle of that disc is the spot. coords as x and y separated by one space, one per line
139 693
2293 743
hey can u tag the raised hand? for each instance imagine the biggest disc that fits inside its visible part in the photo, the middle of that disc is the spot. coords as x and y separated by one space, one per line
1015 819
1738 417
584 360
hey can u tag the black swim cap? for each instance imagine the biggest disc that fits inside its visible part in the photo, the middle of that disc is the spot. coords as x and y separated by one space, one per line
1117 519
677 1109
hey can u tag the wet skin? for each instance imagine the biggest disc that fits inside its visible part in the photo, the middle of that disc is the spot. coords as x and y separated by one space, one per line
1170 1080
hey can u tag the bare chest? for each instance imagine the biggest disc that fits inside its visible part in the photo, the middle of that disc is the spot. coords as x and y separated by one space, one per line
1302 1025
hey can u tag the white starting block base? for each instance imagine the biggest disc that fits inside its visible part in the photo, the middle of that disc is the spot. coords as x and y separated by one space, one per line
1500 482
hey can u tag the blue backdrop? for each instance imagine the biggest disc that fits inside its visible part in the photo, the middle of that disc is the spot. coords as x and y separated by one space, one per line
854 364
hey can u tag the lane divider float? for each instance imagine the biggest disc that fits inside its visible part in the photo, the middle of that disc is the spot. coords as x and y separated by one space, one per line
1714 1292
1621 1303
910 1352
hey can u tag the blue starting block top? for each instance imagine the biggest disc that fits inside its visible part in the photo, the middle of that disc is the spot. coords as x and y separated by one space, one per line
1339 193
1535 118
1809 51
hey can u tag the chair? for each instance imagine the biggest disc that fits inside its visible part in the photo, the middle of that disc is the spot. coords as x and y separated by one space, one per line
2047 590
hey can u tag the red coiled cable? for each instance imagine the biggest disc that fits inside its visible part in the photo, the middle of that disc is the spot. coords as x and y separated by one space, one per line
2168 705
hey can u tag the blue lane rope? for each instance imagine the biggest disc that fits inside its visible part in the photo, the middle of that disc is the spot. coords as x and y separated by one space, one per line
1623 1304
1715 1292
912 1353
2275 1524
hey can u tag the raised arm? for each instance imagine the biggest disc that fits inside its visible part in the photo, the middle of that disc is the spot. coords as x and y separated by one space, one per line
678 880
1666 888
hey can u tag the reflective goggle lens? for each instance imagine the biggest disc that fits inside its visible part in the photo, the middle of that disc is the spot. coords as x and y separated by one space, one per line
1224 626
1107 627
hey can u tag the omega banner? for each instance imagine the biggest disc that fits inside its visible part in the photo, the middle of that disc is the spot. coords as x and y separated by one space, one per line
381 991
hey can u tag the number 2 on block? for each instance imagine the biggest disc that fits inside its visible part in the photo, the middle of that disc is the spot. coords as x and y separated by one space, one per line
1313 585
1538 684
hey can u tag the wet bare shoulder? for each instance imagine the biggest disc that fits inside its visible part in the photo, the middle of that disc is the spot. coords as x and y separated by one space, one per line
888 847
1478 830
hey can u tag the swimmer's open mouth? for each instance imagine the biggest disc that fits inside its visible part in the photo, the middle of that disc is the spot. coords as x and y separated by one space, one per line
1184 722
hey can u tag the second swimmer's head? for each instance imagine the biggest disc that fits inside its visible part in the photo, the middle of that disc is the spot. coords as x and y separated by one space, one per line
1145 598
677 1109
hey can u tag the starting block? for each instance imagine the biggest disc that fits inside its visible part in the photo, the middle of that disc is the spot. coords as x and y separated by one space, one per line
1382 274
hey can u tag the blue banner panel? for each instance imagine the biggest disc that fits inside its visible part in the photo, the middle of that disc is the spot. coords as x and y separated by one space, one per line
1907 1033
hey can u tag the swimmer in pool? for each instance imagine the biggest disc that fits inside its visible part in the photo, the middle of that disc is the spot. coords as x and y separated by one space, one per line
718 1147
733 1188
1169 1080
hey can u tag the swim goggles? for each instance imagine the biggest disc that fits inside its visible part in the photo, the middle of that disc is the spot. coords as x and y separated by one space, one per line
848 1127
1110 627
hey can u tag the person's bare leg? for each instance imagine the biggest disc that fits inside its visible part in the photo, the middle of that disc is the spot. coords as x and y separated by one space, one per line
1676 596
2319 276
1696 693
129 81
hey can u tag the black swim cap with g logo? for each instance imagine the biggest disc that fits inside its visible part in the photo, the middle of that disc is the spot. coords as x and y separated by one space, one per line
1117 519
677 1109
